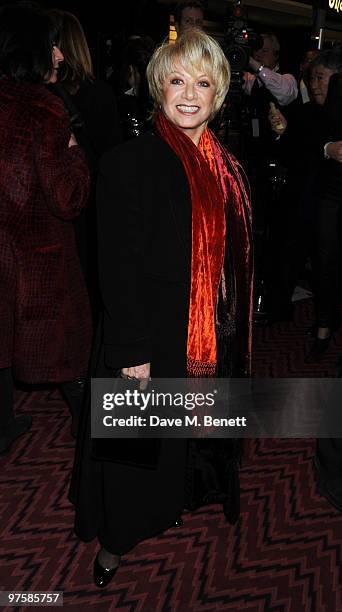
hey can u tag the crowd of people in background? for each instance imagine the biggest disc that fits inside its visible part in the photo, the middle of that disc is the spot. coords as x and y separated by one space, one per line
66 253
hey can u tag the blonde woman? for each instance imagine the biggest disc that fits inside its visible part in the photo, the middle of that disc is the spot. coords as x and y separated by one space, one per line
175 271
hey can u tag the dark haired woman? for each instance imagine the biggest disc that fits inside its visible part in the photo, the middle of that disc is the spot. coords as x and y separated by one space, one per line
93 98
93 110
44 183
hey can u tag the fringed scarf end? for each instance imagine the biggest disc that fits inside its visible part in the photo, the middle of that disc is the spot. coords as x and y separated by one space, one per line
199 369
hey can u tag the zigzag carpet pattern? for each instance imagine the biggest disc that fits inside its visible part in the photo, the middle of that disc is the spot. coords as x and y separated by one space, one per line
283 556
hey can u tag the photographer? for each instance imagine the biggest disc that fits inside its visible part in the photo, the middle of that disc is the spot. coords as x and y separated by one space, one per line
267 85
281 88
299 149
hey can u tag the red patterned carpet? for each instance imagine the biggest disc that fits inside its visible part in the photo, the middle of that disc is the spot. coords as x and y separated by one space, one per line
284 555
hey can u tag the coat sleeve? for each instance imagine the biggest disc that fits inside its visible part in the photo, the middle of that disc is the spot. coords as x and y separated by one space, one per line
121 250
63 171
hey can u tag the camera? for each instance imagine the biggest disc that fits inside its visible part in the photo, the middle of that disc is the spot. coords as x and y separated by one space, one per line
239 43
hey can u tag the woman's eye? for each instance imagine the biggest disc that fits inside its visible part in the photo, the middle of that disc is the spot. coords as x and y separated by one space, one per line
176 81
204 84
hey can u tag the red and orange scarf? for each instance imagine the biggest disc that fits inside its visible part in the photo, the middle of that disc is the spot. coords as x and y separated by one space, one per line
206 171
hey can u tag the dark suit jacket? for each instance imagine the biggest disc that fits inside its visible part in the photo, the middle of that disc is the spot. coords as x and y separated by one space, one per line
299 147
44 310
331 131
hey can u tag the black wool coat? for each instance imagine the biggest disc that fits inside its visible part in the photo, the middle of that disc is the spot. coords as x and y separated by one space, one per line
145 245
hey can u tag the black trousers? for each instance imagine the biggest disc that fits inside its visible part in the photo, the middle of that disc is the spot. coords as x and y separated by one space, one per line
291 239
73 392
328 250
329 453
7 418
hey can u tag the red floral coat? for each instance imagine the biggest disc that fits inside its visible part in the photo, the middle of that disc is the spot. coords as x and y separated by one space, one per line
45 324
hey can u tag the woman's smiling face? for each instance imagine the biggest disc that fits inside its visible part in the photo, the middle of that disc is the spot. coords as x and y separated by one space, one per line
188 101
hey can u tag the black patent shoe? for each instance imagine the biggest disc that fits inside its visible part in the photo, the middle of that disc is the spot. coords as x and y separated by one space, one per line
318 350
102 575
21 425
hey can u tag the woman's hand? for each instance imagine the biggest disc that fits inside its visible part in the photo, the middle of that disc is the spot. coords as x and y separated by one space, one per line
277 121
334 150
140 372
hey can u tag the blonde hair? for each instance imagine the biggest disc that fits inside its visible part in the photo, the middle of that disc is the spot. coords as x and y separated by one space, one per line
71 40
196 52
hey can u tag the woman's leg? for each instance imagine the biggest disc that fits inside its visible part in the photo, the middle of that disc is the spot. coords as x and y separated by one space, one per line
328 464
327 257
73 392
11 427
7 418
107 559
